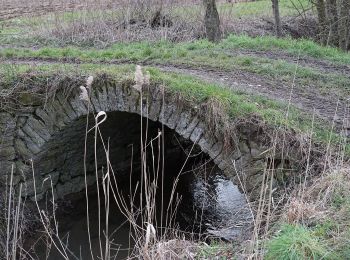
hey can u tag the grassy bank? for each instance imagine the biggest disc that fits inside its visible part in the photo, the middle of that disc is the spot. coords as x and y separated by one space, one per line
146 50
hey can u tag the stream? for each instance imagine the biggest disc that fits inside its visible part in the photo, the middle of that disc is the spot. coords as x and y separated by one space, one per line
211 206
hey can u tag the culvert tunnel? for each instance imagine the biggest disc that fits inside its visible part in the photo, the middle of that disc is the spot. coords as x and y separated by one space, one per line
52 135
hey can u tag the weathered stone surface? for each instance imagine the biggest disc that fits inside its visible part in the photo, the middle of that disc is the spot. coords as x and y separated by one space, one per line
155 106
120 98
183 122
7 153
65 115
197 132
66 107
173 120
29 99
132 99
34 135
6 179
6 167
191 127
255 168
74 185
79 106
103 98
53 136
38 127
32 145
23 150
111 98
41 184
24 169
216 149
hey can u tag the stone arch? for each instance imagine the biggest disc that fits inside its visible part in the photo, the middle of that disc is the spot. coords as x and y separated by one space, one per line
42 132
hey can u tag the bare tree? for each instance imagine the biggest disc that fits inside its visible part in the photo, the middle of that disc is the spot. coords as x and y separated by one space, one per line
322 20
212 21
344 24
332 18
334 22
276 14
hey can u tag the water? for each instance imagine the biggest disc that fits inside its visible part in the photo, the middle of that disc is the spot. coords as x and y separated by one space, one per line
211 205
220 207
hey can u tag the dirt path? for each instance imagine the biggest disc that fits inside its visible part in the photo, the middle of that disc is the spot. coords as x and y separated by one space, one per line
330 106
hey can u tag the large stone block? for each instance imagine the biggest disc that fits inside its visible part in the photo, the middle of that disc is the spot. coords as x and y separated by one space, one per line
120 98
67 108
197 132
188 132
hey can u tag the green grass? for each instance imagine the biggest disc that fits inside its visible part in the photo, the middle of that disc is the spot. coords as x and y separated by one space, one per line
263 8
292 46
144 50
295 242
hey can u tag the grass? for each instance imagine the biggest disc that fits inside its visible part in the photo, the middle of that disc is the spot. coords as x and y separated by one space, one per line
263 8
146 50
295 242
325 232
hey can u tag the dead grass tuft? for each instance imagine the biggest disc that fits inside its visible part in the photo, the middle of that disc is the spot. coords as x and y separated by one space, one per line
325 198
297 210
175 249
330 188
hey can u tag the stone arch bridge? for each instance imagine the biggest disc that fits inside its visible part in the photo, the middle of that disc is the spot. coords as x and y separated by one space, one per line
51 135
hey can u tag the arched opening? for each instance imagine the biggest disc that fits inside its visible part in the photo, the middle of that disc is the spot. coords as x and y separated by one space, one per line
158 177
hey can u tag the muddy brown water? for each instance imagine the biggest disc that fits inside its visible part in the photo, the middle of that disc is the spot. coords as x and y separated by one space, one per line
211 207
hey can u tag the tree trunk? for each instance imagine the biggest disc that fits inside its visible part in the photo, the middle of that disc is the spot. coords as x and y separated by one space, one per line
322 21
276 14
212 21
332 15
344 24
